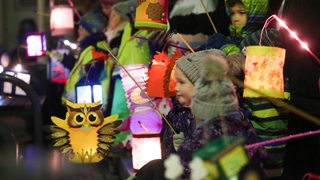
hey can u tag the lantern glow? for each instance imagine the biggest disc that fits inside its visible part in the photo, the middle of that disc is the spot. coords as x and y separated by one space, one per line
145 147
9 88
35 44
61 20
89 93
264 72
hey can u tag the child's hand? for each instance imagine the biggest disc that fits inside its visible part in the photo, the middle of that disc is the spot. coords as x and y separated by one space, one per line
177 140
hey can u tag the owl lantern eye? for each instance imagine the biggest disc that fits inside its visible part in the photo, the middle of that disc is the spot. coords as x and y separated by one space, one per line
79 118
92 117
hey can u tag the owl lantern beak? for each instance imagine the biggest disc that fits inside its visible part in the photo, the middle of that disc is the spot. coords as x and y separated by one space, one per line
86 126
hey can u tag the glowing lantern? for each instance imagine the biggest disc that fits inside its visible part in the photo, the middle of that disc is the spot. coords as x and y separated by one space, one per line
160 82
9 88
264 72
145 147
151 14
61 20
35 44
89 93
145 122
84 136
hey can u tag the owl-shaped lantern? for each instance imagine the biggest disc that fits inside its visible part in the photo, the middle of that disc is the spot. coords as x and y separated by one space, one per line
84 136
264 72
151 14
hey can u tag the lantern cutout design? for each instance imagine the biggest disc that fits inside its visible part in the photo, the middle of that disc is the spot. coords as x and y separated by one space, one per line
61 20
84 136
151 15
160 82
145 122
9 88
35 44
264 72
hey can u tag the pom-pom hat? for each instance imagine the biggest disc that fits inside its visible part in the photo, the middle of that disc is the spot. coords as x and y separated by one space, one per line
214 91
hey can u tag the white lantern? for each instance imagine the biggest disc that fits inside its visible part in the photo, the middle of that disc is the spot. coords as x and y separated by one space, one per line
89 93
61 20
145 147
36 44
9 88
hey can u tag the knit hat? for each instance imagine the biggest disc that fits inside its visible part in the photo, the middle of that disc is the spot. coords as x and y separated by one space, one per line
94 22
122 8
190 63
215 94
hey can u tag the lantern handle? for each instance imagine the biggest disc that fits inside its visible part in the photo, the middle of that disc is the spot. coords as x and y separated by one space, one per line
212 24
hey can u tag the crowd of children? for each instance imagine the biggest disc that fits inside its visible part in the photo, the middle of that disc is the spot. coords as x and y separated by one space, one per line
207 105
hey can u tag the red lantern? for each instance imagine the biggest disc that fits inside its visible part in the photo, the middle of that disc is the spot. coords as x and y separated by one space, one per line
160 82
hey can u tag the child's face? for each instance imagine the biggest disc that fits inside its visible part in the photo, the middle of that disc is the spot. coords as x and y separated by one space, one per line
238 14
114 19
184 88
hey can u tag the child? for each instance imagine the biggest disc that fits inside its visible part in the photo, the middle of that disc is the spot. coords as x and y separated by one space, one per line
186 73
216 110
90 67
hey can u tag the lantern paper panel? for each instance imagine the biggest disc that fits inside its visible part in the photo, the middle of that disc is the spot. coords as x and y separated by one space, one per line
137 101
89 93
36 44
84 136
145 147
9 88
264 72
61 20
151 15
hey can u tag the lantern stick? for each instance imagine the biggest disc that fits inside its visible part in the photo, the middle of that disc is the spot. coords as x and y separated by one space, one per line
143 126
185 42
293 34
212 24
150 100
285 138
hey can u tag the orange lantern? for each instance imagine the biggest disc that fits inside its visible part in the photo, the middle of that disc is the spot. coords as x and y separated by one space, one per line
264 72
160 82
61 20
151 14
145 147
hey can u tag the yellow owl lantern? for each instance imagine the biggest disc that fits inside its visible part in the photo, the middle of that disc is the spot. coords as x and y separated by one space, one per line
84 136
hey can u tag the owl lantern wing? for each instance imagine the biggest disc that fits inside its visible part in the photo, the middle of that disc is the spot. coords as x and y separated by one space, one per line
60 138
106 135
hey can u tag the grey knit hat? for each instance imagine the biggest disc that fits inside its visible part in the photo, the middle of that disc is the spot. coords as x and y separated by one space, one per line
190 63
122 8
215 94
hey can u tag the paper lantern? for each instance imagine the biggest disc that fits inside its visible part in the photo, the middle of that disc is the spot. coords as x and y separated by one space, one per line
151 15
36 45
145 147
160 82
224 157
84 136
61 20
89 93
264 72
9 88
